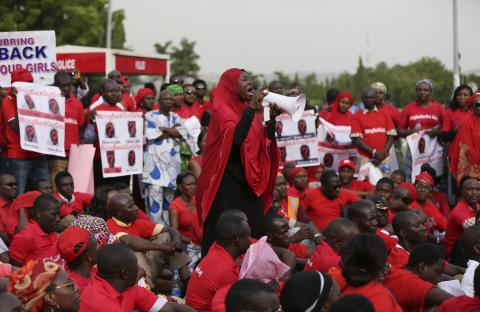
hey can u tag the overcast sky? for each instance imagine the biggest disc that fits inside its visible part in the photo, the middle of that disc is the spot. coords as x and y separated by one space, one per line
321 36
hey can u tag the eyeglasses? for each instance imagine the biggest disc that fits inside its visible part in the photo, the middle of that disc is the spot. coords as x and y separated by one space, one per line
70 285
189 92
200 88
178 81
405 199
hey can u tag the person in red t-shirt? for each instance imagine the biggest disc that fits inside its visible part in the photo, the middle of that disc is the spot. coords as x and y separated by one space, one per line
205 106
424 185
327 254
338 113
152 242
24 165
325 203
127 100
218 268
464 215
79 250
250 295
145 100
346 169
458 111
189 101
38 239
464 303
364 263
414 286
372 131
114 287
382 106
8 192
422 114
74 122
299 178
72 202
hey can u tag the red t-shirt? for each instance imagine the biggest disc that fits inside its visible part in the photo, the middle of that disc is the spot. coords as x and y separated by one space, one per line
139 227
378 294
461 303
322 259
453 119
300 250
99 293
5 215
359 186
74 120
185 111
188 223
322 210
80 281
79 201
461 217
428 116
129 102
9 112
294 192
373 127
33 243
408 289
216 270
390 110
398 257
390 242
432 211
441 201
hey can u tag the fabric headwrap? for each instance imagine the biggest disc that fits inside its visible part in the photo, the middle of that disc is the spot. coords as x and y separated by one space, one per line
175 89
425 81
379 86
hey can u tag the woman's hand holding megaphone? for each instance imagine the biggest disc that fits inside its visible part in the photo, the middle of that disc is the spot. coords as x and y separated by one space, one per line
256 102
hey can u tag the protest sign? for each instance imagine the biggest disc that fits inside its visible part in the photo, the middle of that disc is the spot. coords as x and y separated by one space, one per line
121 136
334 144
41 117
33 50
80 156
425 149
297 140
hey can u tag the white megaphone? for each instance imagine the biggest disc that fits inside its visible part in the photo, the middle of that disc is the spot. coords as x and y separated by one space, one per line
294 106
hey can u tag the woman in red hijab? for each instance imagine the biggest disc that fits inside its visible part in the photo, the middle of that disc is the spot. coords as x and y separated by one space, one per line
465 151
338 113
241 157
145 100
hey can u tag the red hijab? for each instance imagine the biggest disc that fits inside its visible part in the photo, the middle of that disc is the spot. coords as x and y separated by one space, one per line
333 115
465 150
141 93
260 165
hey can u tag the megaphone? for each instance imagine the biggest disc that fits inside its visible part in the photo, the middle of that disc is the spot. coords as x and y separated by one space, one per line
294 106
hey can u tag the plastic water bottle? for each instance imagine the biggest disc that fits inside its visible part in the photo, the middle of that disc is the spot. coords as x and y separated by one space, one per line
176 284
418 126
385 168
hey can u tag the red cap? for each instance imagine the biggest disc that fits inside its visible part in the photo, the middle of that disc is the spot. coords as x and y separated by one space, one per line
71 237
425 178
411 188
346 163
294 171
21 74
124 80
26 200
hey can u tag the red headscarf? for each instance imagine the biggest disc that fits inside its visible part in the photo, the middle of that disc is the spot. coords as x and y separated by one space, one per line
312 173
260 165
30 282
294 171
21 74
333 115
425 178
472 99
142 93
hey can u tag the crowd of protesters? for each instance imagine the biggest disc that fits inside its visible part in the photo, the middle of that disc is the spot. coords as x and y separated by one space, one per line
214 224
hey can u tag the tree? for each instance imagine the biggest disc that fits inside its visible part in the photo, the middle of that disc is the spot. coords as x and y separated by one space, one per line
162 48
184 59
76 22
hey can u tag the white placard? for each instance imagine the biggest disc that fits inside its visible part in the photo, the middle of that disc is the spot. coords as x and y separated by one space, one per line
425 150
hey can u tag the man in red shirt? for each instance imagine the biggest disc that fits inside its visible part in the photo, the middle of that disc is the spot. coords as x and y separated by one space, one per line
74 120
114 287
218 268
346 169
464 215
8 192
372 131
327 254
415 286
38 239
325 203
424 185
72 202
111 94
382 106
78 248
190 103
151 242
205 106
24 165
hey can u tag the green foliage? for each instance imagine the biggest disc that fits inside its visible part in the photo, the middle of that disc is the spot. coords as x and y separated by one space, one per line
399 79
184 59
76 22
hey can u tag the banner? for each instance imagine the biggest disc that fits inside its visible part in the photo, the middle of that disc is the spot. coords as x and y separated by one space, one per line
334 144
41 117
121 142
297 140
425 150
33 50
